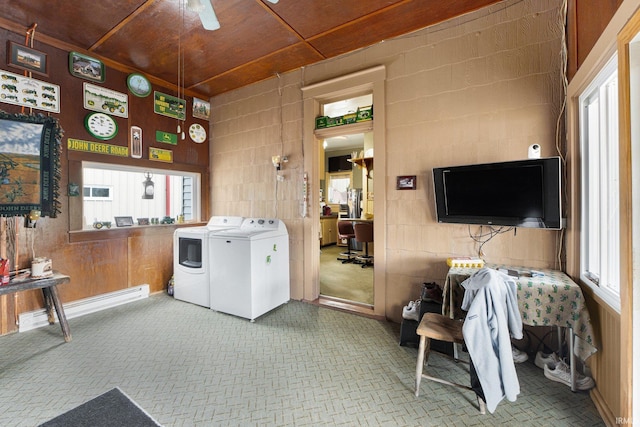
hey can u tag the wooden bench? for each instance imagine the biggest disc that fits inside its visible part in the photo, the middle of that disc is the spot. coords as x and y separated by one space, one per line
48 286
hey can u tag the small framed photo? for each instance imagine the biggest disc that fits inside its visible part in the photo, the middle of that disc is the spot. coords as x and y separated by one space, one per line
406 182
201 109
74 190
86 67
124 221
26 58
143 221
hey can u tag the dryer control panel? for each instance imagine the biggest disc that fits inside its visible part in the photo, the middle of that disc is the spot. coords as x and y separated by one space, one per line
260 224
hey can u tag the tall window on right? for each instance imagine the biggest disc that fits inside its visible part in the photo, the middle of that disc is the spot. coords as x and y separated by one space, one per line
600 225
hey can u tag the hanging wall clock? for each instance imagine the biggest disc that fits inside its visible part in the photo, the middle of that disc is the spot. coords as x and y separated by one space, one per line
101 126
139 85
197 133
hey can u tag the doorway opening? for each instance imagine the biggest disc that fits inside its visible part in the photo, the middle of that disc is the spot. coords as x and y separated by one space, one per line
345 276
317 98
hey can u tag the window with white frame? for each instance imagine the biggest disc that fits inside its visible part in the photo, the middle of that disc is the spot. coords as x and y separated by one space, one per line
339 183
97 192
600 226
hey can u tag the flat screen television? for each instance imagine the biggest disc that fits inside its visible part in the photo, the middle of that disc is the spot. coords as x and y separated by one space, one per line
339 163
523 193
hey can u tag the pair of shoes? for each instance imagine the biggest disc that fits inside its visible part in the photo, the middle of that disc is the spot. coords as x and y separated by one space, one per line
562 374
544 359
431 292
519 356
411 311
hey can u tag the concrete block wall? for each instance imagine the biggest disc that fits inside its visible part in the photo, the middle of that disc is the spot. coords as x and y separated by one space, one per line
478 88
481 89
248 127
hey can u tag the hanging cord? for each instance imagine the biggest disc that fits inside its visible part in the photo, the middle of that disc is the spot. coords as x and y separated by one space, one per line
484 237
279 177
17 242
563 76
559 126
302 70
28 41
180 71
31 239
11 236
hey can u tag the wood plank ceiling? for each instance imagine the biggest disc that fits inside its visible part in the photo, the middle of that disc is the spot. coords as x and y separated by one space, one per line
257 39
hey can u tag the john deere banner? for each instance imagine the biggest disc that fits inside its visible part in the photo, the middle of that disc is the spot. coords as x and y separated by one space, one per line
29 164
97 147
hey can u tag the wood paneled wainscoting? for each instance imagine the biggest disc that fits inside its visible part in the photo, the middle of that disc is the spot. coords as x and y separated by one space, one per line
100 262
605 363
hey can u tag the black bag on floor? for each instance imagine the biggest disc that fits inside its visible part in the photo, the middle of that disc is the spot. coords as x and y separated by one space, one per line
430 302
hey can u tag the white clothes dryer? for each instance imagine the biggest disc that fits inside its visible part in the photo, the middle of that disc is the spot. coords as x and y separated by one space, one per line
250 268
191 270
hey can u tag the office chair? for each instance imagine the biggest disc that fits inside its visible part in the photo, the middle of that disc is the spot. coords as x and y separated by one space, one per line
345 231
439 327
364 234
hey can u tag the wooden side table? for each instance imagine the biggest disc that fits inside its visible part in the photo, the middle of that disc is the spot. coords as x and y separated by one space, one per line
48 286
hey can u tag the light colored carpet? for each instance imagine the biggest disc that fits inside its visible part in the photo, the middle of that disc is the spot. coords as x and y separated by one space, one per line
346 281
298 365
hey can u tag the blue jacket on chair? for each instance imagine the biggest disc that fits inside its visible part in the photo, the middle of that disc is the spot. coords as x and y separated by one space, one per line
493 317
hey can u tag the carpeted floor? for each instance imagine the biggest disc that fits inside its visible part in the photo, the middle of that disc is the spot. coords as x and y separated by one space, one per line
346 281
298 365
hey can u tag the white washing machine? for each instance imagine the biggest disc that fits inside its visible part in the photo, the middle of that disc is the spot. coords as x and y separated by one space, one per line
250 268
191 270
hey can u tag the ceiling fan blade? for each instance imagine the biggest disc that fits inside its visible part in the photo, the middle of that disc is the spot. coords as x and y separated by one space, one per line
208 16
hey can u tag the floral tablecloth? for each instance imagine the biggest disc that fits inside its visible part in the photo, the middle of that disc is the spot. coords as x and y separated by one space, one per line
552 299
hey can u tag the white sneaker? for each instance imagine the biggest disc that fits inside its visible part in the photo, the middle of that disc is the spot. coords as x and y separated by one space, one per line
550 360
518 355
412 311
562 374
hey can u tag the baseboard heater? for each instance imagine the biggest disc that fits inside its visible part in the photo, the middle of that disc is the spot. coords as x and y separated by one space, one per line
35 319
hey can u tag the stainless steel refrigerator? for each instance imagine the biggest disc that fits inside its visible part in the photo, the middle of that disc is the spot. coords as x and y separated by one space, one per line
354 202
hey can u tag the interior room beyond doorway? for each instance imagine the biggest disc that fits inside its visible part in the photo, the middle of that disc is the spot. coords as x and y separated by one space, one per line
346 191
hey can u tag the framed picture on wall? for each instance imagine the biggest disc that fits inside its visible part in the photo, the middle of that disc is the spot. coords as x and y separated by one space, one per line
86 67
17 89
26 58
103 100
406 182
201 109
170 106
